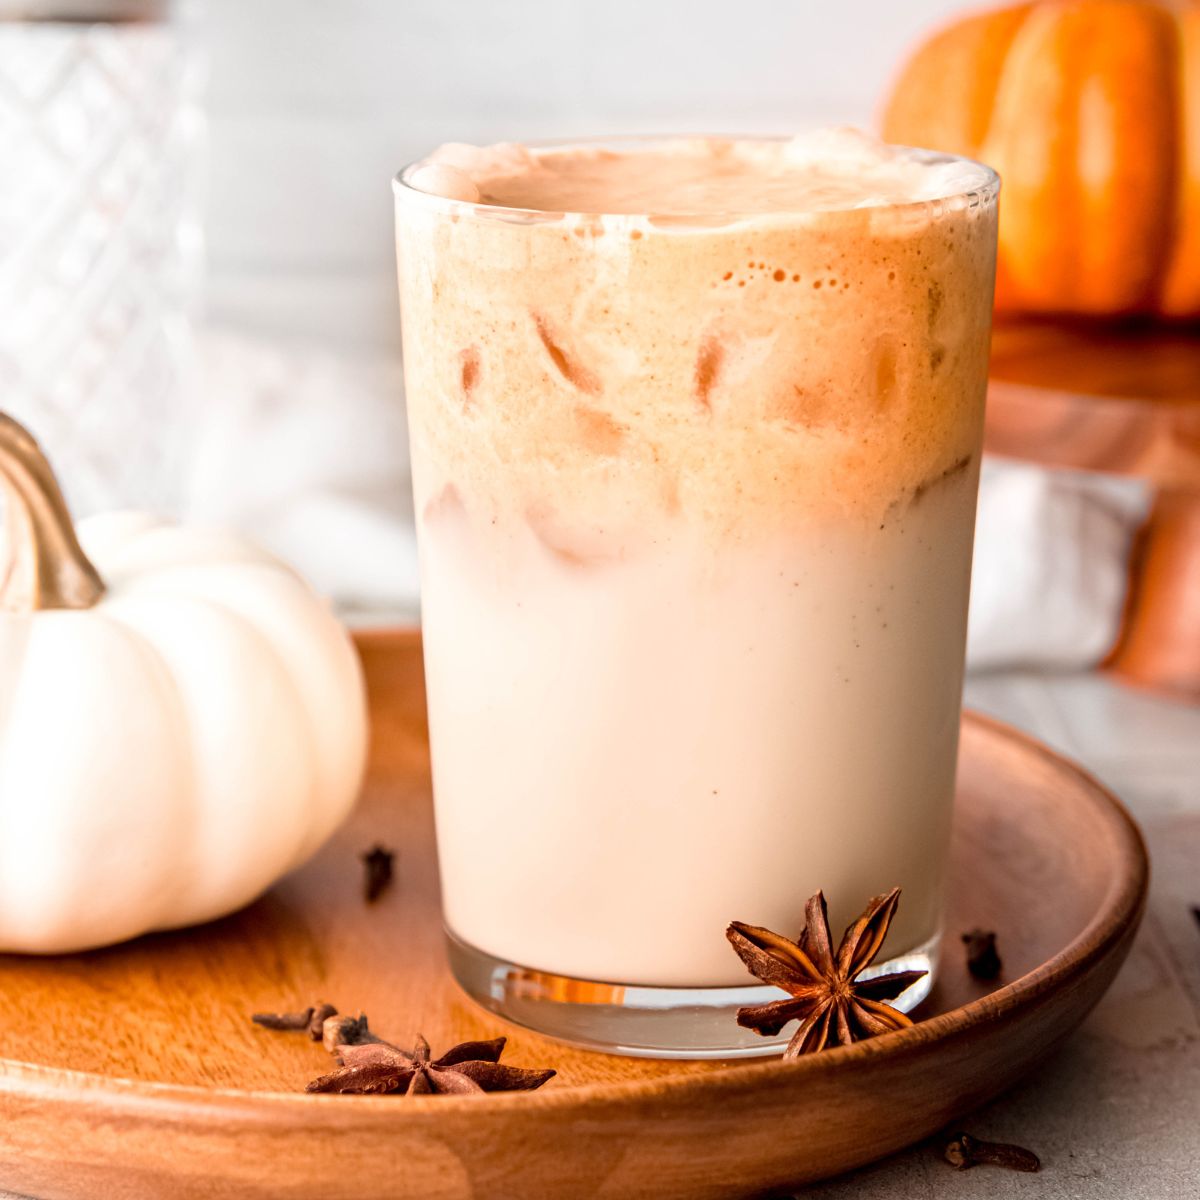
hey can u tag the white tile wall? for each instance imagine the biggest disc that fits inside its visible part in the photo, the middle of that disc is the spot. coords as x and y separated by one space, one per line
314 105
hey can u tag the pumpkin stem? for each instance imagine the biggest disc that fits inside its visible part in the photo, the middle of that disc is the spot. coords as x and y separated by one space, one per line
46 567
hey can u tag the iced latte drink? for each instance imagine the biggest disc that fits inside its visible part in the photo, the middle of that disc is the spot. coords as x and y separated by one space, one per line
696 434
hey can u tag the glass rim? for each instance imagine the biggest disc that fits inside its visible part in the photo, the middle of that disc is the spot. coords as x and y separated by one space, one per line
402 188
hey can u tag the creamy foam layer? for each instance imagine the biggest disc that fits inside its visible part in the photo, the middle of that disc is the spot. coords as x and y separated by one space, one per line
597 378
833 169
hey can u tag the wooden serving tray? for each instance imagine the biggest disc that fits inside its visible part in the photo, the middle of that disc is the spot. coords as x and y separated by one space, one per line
135 1072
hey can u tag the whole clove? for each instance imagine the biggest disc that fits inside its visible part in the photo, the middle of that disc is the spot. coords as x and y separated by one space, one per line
284 1021
316 1024
982 960
964 1151
311 1020
377 872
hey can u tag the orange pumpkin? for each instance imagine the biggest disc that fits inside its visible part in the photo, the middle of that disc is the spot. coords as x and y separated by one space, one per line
1090 111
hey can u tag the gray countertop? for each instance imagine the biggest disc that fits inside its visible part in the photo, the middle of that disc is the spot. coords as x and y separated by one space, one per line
1114 1114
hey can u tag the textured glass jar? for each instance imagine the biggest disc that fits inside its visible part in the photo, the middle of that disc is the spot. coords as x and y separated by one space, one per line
100 128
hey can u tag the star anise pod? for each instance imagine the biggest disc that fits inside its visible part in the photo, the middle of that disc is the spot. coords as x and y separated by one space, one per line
832 1006
377 872
470 1067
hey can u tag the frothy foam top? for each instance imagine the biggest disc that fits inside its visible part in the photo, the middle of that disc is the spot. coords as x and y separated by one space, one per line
600 379
832 170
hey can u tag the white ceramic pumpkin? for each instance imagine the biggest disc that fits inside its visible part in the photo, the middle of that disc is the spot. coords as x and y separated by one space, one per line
182 720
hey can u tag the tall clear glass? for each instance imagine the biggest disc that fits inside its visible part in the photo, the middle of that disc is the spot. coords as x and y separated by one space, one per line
695 501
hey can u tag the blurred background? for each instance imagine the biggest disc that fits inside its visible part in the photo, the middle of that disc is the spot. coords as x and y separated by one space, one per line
198 314
196 262
312 110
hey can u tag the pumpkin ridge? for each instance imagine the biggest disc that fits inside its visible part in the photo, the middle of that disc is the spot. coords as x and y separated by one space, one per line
320 818
150 891
953 79
1003 29
110 611
154 617
1179 294
1090 112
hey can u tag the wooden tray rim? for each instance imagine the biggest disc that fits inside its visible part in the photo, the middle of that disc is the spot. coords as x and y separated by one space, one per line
1164 410
1123 903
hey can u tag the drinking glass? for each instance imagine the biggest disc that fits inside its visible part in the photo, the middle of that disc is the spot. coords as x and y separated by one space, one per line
695 499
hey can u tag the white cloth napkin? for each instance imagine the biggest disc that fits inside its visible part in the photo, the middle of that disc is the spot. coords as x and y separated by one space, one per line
1051 565
308 453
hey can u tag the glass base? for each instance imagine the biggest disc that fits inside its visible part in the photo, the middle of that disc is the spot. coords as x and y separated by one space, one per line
646 1022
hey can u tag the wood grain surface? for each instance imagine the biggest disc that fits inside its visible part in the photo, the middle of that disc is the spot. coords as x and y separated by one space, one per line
134 1073
1097 398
